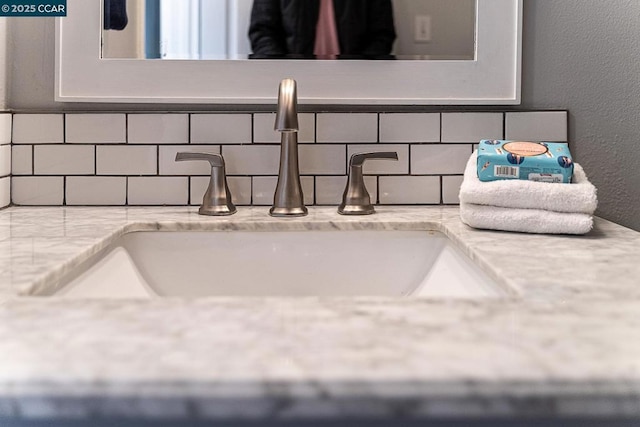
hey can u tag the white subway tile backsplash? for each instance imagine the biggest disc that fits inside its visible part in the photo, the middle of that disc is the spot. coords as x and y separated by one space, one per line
38 128
126 160
347 127
22 160
220 128
251 159
537 126
64 159
158 190
383 167
239 187
120 158
5 128
472 127
451 189
321 159
263 128
398 190
264 187
410 127
308 189
5 192
197 187
169 166
329 189
96 128
37 190
436 159
5 160
158 129
263 131
96 190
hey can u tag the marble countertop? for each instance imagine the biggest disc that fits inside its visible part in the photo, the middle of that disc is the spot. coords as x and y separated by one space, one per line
565 342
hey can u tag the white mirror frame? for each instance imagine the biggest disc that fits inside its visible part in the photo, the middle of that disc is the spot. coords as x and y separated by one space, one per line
493 78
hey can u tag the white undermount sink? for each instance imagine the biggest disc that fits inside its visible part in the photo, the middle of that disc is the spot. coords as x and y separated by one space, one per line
282 263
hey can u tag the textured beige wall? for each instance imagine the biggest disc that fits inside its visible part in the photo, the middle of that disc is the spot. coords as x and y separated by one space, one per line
583 56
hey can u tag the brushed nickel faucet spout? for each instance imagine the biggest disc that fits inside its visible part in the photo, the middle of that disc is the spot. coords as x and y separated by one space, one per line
288 199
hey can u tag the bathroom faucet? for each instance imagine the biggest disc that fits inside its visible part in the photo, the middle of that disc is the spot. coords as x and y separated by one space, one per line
288 199
356 199
217 199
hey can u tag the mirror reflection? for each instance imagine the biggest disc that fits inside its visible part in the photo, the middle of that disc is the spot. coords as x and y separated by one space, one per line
299 29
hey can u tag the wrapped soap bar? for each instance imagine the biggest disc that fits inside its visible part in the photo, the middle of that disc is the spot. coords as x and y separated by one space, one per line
532 161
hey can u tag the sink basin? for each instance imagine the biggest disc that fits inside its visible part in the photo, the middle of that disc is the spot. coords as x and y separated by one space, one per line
283 263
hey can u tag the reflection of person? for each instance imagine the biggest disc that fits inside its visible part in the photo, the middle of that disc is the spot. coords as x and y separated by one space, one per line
325 28
115 14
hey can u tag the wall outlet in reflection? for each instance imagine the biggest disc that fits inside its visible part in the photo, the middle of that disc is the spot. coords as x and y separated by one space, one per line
422 31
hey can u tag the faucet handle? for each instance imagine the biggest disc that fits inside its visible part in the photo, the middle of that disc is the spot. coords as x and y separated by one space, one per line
217 199
356 199
359 159
215 160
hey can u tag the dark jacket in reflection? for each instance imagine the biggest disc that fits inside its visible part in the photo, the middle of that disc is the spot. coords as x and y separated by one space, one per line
288 27
115 15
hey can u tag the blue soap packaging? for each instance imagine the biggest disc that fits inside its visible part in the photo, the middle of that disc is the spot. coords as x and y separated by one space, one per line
524 160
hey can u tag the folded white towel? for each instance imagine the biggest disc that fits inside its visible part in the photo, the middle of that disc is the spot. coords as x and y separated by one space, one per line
577 197
525 220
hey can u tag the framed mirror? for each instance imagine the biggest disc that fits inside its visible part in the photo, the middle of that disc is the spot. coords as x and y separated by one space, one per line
490 76
250 29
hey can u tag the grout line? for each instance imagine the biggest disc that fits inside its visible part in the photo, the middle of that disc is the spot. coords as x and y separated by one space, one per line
189 141
504 125
251 187
64 128
252 130
188 191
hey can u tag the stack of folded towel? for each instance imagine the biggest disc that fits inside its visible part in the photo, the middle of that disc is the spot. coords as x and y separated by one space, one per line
528 206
